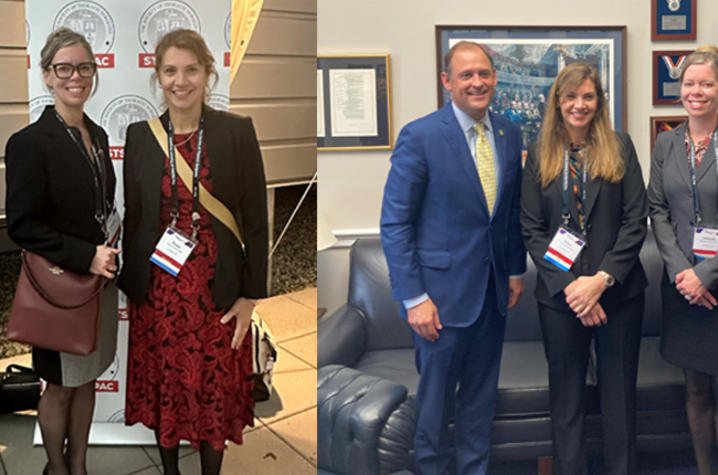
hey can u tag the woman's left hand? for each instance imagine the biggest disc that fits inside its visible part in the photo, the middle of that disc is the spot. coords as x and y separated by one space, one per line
241 311
583 293
691 287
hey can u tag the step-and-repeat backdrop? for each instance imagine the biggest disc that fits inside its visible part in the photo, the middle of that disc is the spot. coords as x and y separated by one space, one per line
123 35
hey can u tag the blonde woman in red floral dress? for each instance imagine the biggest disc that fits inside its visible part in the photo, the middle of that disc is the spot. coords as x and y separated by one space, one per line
189 350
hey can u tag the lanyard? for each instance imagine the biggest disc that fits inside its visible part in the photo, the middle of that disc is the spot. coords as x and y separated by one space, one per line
694 185
98 177
195 177
564 210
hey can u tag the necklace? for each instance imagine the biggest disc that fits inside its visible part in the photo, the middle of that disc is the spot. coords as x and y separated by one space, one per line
187 139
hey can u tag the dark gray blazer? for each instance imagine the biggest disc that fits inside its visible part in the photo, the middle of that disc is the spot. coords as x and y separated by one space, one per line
670 198
237 175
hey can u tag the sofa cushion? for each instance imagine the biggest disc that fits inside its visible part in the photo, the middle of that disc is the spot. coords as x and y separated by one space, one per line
523 380
394 365
370 292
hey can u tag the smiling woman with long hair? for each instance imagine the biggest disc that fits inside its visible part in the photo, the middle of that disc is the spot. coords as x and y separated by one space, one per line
583 217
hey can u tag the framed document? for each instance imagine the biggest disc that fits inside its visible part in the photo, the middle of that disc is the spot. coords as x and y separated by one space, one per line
673 20
528 58
663 123
353 102
666 76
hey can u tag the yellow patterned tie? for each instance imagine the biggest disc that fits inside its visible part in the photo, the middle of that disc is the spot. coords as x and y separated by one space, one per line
485 166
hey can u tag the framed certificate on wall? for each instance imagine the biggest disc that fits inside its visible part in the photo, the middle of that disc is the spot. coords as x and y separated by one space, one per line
673 20
353 102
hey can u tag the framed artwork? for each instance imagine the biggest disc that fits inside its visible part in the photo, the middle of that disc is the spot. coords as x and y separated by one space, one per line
666 76
673 20
353 102
528 58
663 123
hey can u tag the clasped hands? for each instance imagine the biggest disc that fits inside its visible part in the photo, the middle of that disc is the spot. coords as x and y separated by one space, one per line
693 290
582 296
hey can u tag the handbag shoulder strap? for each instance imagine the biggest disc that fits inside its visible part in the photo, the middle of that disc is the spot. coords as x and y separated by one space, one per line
215 207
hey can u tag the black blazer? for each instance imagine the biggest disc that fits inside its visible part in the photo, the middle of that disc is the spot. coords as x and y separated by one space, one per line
615 215
50 197
238 181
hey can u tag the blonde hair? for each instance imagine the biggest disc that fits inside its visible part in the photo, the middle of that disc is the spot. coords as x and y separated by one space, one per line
707 49
706 54
603 159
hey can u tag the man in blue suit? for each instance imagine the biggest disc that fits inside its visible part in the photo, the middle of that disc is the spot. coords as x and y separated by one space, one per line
451 234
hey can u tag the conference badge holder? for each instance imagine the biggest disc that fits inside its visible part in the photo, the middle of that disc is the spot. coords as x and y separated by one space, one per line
705 242
173 249
564 248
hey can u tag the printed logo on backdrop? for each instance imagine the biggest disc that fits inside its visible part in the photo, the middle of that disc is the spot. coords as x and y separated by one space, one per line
94 22
228 37
123 313
109 385
219 102
158 20
37 105
120 113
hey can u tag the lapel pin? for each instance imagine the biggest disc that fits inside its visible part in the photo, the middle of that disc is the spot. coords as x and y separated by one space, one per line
501 131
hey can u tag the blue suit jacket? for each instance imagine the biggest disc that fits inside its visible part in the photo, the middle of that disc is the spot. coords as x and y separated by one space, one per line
436 230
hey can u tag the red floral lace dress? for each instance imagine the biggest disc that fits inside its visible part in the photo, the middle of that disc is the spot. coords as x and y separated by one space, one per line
183 378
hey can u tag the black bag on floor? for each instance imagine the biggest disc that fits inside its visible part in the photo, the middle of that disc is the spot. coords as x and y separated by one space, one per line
19 389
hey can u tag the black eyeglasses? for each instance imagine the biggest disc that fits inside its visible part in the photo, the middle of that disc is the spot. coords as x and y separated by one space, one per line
66 70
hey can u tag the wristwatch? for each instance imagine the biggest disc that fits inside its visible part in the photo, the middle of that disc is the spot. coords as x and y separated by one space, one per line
607 278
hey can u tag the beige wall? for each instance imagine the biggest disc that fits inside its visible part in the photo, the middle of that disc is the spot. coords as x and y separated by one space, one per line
351 183
13 78
275 85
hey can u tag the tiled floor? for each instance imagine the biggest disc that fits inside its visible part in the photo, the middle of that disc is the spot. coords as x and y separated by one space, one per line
282 441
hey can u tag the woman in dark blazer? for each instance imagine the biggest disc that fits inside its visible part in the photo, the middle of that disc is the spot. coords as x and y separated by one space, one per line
599 295
52 166
690 284
189 349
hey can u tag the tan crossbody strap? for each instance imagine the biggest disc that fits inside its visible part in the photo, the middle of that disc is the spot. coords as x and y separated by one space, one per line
212 204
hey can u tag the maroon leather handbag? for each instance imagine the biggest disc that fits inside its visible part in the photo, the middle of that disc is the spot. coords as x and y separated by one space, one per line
55 308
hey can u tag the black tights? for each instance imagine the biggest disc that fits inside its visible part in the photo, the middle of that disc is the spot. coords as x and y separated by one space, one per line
701 409
210 459
64 415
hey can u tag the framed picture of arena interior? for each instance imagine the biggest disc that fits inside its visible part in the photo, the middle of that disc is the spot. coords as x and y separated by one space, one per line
528 58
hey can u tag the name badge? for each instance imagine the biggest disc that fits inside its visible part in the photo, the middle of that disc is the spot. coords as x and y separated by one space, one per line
705 243
564 248
114 226
172 250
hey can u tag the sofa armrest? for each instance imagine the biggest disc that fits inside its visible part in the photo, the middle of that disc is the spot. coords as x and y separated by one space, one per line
341 337
353 411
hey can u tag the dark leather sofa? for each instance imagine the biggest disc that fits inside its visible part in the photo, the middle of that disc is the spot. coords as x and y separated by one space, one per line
367 379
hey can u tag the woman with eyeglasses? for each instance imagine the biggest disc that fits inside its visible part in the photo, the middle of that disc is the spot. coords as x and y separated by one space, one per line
60 190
